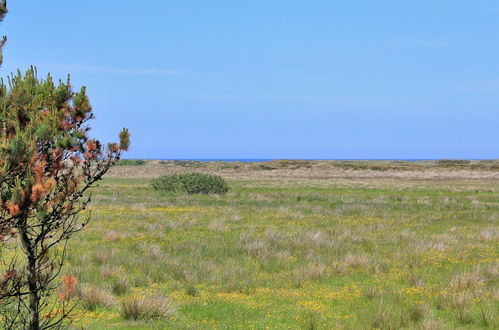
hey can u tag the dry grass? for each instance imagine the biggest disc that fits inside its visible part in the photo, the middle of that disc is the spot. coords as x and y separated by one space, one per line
468 280
92 297
218 225
310 272
429 324
146 307
107 271
488 234
356 261
102 257
317 170
113 236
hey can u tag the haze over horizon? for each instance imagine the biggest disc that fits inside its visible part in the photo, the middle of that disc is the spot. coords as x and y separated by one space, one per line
287 79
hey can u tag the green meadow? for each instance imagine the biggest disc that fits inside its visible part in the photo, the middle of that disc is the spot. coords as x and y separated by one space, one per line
290 253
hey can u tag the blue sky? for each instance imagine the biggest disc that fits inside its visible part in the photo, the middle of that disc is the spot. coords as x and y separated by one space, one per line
275 79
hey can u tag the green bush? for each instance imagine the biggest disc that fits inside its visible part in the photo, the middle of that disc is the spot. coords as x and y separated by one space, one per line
453 162
191 183
133 162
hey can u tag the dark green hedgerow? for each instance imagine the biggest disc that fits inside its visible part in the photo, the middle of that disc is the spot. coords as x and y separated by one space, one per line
191 183
133 162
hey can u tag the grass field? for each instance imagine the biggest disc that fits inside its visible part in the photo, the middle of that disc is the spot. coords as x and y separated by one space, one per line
284 252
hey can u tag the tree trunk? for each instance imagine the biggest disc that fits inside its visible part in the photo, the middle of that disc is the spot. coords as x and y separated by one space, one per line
34 299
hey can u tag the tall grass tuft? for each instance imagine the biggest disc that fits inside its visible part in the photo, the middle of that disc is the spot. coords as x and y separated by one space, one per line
146 307
92 297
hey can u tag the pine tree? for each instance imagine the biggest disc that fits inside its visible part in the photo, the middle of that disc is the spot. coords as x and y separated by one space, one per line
47 165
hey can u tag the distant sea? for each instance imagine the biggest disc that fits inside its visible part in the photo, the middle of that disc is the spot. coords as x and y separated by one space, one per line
242 160
251 160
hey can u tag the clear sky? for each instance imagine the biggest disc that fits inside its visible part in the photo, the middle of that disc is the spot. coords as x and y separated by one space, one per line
275 79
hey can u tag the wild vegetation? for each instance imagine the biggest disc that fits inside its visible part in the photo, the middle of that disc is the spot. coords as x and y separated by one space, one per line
282 252
321 169
47 163
136 162
191 183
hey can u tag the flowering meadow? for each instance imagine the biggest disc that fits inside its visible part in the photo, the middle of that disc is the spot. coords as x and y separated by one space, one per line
289 253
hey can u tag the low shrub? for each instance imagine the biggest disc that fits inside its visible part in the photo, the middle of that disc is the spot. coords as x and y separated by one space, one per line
132 162
182 163
453 162
191 183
